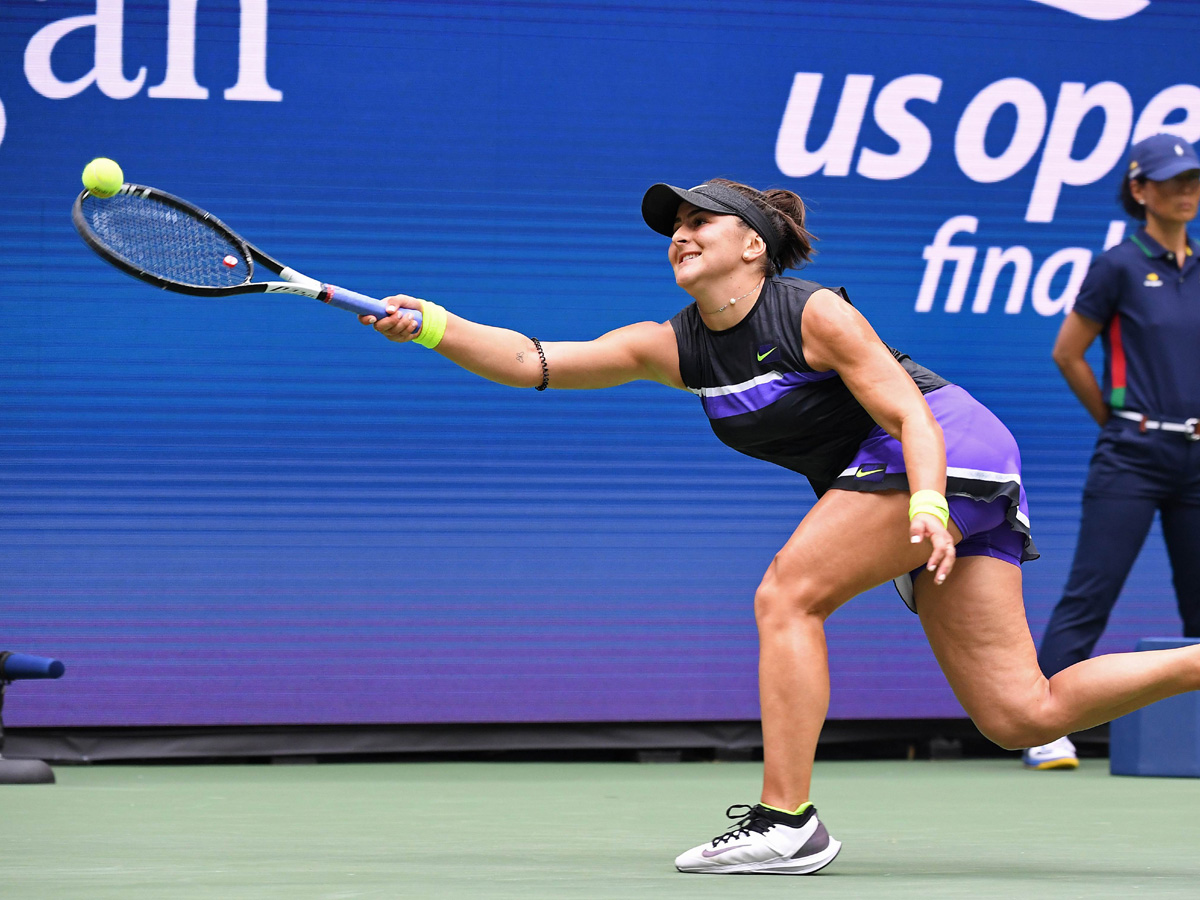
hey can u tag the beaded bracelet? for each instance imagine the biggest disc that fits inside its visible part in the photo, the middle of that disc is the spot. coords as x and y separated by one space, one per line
545 368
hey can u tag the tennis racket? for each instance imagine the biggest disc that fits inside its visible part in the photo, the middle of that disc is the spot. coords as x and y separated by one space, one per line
174 245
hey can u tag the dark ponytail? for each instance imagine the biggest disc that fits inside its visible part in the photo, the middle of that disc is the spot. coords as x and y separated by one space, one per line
786 212
1132 208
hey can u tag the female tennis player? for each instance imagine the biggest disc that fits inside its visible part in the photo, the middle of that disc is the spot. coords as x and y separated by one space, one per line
788 371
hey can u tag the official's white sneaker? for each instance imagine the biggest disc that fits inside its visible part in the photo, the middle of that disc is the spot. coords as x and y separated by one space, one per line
765 841
1058 754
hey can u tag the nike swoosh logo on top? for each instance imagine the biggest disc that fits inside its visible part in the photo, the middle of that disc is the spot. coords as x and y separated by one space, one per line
709 854
861 473
763 356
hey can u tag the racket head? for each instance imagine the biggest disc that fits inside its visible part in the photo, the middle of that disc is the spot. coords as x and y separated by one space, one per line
166 241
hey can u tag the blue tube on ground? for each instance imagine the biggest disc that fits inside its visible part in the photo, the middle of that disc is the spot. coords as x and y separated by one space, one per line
15 666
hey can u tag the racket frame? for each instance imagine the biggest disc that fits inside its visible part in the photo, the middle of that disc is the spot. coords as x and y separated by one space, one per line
294 282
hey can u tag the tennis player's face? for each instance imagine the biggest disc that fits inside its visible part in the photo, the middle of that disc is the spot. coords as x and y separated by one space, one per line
705 246
1173 200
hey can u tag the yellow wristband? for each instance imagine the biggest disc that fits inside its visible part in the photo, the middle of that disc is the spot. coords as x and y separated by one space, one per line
433 325
930 502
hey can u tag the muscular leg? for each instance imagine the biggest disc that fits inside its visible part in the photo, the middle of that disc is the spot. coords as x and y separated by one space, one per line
849 542
976 626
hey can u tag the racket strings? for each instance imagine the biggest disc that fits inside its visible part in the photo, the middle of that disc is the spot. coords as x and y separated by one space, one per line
165 241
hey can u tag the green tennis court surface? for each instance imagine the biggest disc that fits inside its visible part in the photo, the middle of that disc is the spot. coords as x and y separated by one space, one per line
963 829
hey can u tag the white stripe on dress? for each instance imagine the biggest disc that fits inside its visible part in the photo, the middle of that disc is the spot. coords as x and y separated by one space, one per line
957 472
765 378
980 475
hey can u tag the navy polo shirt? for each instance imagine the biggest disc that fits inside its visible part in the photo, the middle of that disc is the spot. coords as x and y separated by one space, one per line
1150 309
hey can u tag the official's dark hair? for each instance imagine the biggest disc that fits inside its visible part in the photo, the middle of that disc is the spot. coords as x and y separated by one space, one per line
786 212
1132 208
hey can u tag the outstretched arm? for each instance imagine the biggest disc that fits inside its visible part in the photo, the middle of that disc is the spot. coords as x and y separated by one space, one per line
643 351
836 336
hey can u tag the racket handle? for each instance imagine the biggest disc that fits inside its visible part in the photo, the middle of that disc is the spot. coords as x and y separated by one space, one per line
360 304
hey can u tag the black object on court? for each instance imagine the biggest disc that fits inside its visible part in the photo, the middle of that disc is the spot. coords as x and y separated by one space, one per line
16 667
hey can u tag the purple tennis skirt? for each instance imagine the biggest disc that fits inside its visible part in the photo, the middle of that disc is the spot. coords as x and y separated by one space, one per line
983 479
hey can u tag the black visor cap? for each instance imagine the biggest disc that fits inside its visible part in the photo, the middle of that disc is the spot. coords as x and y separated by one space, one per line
660 209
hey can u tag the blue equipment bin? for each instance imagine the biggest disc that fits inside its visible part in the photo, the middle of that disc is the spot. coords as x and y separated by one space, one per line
1163 738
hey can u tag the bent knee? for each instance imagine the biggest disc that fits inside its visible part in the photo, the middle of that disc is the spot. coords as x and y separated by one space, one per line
781 597
1007 736
1017 728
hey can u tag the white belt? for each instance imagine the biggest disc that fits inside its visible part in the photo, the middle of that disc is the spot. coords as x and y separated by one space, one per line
1189 427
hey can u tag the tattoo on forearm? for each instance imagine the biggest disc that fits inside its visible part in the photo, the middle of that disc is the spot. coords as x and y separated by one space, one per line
521 356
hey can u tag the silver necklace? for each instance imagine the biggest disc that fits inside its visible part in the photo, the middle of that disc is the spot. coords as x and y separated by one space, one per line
734 300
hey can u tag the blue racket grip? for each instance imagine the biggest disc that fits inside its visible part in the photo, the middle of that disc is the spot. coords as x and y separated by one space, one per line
361 304
14 666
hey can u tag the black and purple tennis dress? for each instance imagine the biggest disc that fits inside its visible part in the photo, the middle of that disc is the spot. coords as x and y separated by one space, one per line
763 399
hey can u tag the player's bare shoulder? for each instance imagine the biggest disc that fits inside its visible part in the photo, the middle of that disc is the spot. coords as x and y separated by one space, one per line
833 331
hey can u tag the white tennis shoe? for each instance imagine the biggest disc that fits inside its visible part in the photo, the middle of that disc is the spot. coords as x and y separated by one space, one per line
765 841
1058 754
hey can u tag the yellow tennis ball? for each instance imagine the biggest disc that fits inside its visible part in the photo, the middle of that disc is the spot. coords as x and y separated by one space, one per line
103 177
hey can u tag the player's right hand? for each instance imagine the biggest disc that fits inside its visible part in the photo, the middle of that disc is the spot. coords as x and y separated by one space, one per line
398 325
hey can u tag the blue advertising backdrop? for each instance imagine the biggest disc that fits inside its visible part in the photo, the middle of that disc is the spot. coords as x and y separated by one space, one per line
258 511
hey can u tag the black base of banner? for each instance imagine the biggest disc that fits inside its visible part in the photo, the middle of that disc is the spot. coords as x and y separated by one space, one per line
640 741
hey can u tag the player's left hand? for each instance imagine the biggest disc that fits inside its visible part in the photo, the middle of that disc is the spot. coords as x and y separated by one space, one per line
925 527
